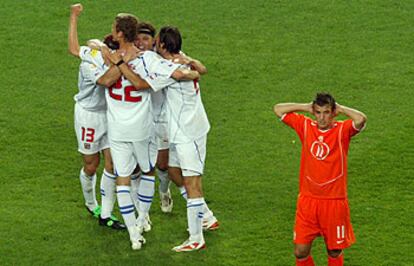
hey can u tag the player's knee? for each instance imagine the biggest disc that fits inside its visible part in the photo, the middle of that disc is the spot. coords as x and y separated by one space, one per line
90 169
334 253
123 181
301 253
163 166
109 169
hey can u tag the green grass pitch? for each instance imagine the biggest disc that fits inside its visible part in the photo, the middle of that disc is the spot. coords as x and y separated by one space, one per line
258 53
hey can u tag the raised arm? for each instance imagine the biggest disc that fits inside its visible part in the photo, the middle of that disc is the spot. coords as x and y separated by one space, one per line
73 42
284 108
357 117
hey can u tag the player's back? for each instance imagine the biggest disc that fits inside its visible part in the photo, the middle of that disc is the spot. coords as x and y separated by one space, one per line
187 117
91 96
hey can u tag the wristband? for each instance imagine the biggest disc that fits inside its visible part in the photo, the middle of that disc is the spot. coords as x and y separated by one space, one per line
120 62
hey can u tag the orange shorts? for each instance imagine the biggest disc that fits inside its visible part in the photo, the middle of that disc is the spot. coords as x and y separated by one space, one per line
329 218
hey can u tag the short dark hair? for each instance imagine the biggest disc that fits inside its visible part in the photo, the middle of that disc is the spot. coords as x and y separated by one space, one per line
146 28
171 38
127 23
323 98
109 41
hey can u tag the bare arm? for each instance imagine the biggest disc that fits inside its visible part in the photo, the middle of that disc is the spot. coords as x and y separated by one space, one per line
357 117
73 42
134 78
284 108
194 63
185 74
110 77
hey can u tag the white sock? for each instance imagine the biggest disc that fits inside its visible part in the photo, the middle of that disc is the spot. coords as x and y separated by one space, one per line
88 188
108 187
145 194
208 214
126 206
164 181
194 217
135 179
183 192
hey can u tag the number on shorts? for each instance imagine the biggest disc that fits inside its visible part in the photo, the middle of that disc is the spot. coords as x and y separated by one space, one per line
340 232
127 92
88 134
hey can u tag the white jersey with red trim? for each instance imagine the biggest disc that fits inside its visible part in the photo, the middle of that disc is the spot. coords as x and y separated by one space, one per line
187 118
91 96
130 115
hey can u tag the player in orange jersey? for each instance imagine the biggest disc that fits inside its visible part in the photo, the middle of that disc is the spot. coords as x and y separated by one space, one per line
322 207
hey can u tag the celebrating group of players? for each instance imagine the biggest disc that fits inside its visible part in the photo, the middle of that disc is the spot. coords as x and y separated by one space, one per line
145 107
143 111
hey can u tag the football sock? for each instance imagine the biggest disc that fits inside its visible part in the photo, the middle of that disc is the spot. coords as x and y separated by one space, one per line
88 188
308 261
194 218
338 261
164 180
134 189
126 206
208 214
183 192
107 194
145 194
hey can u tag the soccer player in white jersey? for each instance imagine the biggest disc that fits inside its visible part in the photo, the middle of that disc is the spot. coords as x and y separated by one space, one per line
130 122
91 127
145 41
187 130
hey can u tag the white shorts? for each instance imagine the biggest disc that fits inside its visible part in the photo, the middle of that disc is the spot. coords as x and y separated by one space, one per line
161 133
190 157
91 129
126 156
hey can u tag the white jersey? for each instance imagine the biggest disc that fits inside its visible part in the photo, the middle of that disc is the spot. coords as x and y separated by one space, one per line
187 119
159 106
130 115
91 96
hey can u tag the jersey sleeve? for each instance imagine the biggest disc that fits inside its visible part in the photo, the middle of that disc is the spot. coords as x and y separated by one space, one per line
91 71
83 52
158 70
295 121
349 130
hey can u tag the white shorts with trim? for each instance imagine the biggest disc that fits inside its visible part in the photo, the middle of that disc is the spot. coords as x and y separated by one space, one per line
190 157
126 156
161 133
91 129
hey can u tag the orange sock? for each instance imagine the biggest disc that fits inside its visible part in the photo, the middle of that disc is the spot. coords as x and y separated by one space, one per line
338 261
308 261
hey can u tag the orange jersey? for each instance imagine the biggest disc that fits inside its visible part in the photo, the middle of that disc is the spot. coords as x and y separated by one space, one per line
323 165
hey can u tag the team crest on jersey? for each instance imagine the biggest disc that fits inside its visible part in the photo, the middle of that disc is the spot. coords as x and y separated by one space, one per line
94 53
319 149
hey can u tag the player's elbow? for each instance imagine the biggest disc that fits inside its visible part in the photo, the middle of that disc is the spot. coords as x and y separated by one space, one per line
202 70
141 85
360 121
277 110
73 51
105 82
